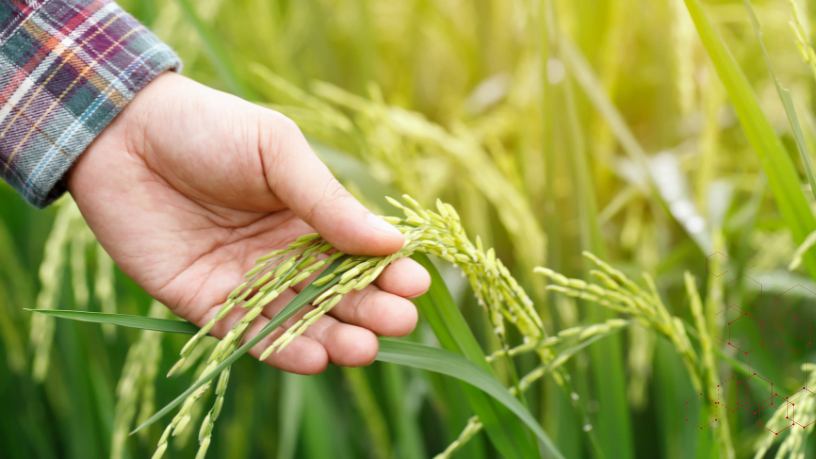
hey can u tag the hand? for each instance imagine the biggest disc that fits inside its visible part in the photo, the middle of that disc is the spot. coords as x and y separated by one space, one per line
188 186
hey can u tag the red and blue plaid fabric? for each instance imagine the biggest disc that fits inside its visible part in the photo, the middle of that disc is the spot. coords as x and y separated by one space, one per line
67 67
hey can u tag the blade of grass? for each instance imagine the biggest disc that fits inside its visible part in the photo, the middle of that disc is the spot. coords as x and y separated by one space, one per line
81 427
504 430
676 438
291 410
468 346
772 155
810 241
359 385
614 424
408 436
322 435
452 364
787 102
124 320
556 407
544 369
302 299
711 379
393 351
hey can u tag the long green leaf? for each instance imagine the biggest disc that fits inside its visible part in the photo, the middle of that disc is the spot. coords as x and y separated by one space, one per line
146 323
772 155
302 299
452 364
291 410
787 102
505 431
391 350
614 432
478 374
408 441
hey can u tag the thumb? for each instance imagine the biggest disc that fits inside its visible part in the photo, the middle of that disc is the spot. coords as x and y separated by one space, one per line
308 188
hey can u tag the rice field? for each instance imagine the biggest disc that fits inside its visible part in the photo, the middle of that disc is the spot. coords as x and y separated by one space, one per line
616 202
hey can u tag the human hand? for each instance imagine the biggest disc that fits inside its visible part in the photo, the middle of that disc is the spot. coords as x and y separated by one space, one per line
188 186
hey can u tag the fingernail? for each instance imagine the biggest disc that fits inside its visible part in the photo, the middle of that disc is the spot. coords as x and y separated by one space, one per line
381 225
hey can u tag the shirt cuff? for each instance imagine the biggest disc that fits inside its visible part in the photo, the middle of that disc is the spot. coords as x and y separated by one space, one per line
67 68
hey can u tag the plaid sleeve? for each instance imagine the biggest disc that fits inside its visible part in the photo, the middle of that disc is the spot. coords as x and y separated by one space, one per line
67 67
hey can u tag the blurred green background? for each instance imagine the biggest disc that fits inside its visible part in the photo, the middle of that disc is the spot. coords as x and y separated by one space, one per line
552 126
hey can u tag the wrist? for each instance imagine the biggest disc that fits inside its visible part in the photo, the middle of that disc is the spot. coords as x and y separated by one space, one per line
125 131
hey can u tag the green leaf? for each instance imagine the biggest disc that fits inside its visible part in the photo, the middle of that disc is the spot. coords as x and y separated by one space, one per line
302 299
810 241
504 429
408 437
321 436
478 374
146 323
452 364
787 102
391 350
774 158
614 432
291 409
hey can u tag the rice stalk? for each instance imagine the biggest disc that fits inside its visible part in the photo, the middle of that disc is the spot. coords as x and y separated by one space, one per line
373 417
9 333
582 333
617 292
709 364
612 56
440 234
66 250
683 34
15 289
81 239
713 99
553 365
136 385
397 143
802 40
104 290
808 243
473 427
51 273
794 445
639 363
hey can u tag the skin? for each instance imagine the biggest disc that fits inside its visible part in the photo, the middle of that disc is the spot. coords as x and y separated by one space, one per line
188 186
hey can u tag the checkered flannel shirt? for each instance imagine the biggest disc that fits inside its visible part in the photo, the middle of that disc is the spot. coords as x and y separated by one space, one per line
67 67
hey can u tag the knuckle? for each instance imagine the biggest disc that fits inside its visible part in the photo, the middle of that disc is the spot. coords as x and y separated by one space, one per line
333 190
332 196
276 131
276 134
283 126
360 308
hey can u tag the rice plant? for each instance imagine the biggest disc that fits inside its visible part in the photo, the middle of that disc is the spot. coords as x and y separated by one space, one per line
440 234
650 134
